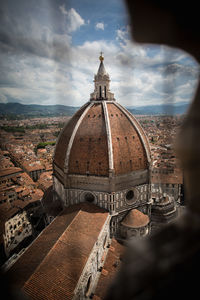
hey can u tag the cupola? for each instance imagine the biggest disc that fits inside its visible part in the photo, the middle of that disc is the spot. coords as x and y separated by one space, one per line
101 84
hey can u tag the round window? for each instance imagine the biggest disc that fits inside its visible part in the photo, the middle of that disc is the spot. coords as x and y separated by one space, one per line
130 195
89 197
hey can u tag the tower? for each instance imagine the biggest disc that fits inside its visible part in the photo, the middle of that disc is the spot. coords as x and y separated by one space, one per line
102 156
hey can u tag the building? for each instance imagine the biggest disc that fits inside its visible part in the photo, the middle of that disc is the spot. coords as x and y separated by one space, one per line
20 219
166 183
6 175
102 156
33 169
163 211
17 228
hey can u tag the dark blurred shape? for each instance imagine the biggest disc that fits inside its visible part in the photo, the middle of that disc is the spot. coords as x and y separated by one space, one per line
165 264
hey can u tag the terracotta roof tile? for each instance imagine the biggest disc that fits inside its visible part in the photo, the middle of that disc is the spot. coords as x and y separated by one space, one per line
90 145
64 137
32 257
128 151
135 219
60 253
9 171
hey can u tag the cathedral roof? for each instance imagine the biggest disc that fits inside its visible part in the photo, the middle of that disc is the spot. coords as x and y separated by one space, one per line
135 219
51 267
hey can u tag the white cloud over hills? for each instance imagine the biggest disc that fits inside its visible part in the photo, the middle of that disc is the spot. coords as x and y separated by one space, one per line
41 63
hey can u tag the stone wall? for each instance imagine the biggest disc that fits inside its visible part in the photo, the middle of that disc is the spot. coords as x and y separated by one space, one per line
114 202
102 183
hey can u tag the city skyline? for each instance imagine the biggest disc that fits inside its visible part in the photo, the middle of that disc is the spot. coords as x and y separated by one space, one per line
50 51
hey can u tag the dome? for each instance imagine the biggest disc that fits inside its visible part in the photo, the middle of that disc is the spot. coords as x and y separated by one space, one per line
135 219
102 156
102 138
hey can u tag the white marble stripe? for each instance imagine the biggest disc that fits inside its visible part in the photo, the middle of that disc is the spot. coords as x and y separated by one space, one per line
109 137
66 165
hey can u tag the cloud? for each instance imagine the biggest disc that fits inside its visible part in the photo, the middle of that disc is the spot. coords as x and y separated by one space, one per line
40 63
73 20
99 26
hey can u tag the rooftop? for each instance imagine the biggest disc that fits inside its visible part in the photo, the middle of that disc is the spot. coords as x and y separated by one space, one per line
63 256
135 219
9 171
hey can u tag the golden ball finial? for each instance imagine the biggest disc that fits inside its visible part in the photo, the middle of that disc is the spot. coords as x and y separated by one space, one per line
101 58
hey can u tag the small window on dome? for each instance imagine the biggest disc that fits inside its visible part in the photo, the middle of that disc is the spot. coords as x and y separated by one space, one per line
88 116
87 290
125 137
133 137
117 138
104 242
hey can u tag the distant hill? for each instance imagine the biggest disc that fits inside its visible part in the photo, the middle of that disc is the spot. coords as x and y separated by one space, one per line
35 110
12 110
166 109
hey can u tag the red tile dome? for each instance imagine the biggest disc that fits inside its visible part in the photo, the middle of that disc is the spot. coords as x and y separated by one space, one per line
135 219
102 138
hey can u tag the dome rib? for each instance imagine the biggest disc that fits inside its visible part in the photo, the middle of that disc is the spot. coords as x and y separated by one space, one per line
66 164
109 137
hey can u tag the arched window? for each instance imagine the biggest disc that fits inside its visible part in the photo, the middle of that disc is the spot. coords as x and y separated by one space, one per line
105 91
100 94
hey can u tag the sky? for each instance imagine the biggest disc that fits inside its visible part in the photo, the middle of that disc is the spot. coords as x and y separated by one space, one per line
49 53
